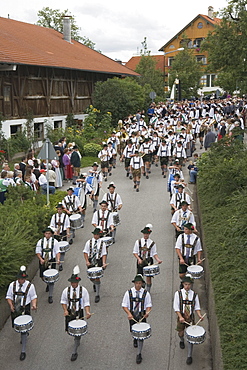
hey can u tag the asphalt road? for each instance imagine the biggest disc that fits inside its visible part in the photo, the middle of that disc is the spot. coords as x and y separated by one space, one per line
108 343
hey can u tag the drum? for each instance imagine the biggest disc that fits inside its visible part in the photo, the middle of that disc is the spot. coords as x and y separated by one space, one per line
75 221
151 270
108 240
80 193
76 191
141 331
95 273
23 323
91 180
195 334
50 276
77 328
64 246
116 219
195 271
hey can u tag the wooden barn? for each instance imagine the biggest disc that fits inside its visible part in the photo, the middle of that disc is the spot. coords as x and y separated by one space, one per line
47 74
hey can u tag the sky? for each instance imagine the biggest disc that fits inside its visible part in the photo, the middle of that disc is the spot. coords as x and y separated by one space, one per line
118 27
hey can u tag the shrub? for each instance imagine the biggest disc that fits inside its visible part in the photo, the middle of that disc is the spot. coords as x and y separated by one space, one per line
91 149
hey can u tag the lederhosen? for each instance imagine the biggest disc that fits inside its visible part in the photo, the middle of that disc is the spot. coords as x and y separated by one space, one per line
78 313
99 261
136 172
105 163
179 150
182 326
127 159
164 158
141 312
105 221
146 157
111 159
24 308
147 261
42 268
192 259
112 201
63 233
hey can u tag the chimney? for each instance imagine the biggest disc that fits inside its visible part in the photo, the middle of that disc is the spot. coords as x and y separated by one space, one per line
211 12
67 28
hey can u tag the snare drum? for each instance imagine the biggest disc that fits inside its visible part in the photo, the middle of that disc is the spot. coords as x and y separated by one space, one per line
195 334
95 273
92 180
50 276
141 331
75 221
77 328
195 271
79 192
108 240
23 323
63 246
151 270
116 219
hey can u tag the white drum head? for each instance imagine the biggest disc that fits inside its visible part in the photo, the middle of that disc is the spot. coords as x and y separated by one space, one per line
63 244
50 272
77 324
106 238
74 217
142 326
195 331
194 268
22 319
92 269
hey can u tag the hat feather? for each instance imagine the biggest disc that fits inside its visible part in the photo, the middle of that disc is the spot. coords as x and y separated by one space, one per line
76 270
23 268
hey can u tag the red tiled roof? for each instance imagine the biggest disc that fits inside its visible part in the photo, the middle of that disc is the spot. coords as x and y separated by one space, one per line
24 43
134 61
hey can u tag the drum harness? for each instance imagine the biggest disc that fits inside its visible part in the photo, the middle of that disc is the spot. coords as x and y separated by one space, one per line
135 161
145 249
24 294
105 219
47 250
70 203
73 300
182 218
140 299
58 222
187 302
91 256
193 245
180 200
112 201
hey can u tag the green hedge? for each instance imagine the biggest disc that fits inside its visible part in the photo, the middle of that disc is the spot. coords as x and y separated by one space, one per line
222 190
23 217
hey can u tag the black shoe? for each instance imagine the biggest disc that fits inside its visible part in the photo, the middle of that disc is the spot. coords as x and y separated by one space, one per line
74 356
130 177
189 361
60 268
135 343
147 177
50 300
164 176
156 165
22 356
127 174
105 178
47 288
109 173
97 298
139 359
162 173
94 288
137 190
71 241
134 186
182 345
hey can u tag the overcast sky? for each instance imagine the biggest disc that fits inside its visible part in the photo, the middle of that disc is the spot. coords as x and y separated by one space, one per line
119 27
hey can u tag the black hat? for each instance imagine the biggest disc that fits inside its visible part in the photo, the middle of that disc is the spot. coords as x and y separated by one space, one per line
103 202
138 278
97 231
111 185
176 175
95 164
70 188
59 205
74 277
48 229
147 229
187 279
75 147
189 226
184 203
22 273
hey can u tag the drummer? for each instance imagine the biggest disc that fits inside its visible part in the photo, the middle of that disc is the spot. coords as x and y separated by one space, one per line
94 172
146 150
144 251
185 304
74 300
72 204
181 217
103 217
114 203
188 246
60 224
178 198
22 298
87 189
136 167
128 153
48 253
104 156
137 304
95 255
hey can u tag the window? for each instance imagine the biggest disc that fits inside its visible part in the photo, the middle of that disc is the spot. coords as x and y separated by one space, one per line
39 130
200 25
57 124
15 129
170 60
171 47
201 58
197 42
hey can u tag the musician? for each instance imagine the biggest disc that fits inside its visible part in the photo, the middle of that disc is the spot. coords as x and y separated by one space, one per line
128 153
164 153
155 146
179 152
60 224
104 156
175 182
136 168
22 298
94 172
146 150
112 160
137 304
185 304
178 198
48 253
123 138
181 217
72 205
144 251
188 246
95 255
87 189
103 217
74 300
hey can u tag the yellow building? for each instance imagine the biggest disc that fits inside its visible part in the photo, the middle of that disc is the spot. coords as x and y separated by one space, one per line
192 35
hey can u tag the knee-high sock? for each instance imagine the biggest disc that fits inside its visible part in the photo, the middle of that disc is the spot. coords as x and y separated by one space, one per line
148 287
23 342
62 255
97 286
51 288
190 348
140 345
83 217
76 343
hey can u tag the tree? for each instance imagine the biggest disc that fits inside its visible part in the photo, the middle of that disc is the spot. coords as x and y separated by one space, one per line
227 47
53 18
121 97
188 71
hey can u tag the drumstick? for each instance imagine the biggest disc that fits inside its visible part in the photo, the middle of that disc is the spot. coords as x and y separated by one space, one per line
200 319
144 317
84 317
201 261
187 323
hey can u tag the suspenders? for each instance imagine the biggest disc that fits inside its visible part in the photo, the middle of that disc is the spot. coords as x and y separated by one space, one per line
21 293
50 249
148 248
71 300
187 302
140 299
193 245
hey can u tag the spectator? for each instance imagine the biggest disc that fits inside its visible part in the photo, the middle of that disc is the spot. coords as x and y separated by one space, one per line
209 139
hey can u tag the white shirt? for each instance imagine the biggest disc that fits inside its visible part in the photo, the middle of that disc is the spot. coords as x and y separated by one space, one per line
153 251
95 219
64 219
47 244
126 299
128 152
42 179
179 197
84 299
176 302
179 216
113 200
30 295
99 241
96 174
136 162
104 155
193 236
71 203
